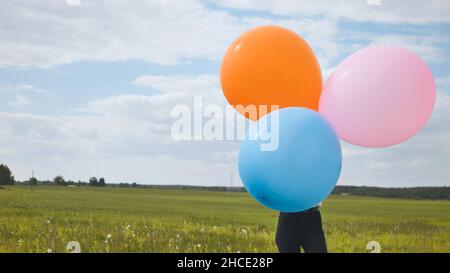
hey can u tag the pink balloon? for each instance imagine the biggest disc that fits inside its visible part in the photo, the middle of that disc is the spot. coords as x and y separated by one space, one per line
379 96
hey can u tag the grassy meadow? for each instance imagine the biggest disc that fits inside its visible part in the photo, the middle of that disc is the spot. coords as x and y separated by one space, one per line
45 219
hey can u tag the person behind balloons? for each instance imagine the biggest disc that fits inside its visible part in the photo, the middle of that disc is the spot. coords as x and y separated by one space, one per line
301 230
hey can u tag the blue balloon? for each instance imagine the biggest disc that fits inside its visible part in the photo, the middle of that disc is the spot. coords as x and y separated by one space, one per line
302 170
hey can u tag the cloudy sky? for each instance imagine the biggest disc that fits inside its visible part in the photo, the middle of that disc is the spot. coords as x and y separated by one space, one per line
87 86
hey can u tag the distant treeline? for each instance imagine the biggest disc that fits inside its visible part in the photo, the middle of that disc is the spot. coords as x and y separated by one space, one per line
432 193
6 178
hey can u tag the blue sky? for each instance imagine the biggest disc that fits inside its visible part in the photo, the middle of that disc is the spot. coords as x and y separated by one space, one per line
86 87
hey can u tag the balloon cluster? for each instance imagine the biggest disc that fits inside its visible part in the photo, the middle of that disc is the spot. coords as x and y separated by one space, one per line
377 97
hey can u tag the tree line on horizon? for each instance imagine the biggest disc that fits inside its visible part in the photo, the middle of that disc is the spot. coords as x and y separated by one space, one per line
431 193
7 179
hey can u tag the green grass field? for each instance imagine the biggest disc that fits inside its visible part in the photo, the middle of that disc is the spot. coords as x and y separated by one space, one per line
146 220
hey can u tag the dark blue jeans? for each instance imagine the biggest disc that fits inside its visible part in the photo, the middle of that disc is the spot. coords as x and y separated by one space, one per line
300 230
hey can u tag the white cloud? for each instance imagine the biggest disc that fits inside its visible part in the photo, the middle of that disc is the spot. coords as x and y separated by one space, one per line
125 130
42 34
169 91
179 83
172 32
424 46
73 2
121 149
444 83
399 11
27 127
19 95
20 88
19 100
162 32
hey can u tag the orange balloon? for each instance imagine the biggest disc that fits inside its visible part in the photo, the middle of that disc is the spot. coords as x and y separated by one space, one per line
270 65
